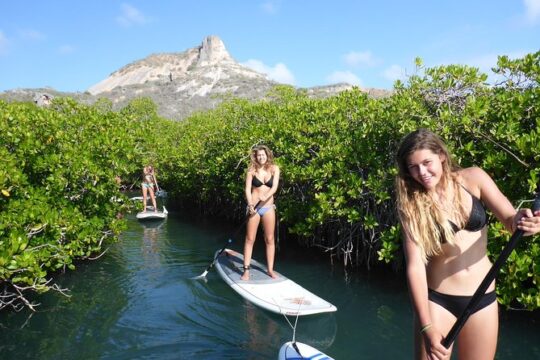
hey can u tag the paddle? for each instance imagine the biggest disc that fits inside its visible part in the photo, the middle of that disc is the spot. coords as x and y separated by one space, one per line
159 192
488 279
203 275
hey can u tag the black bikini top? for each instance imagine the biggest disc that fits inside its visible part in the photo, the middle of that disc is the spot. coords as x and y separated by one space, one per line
258 183
477 219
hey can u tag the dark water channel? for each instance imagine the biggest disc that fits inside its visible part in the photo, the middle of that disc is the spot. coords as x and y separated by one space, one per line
139 302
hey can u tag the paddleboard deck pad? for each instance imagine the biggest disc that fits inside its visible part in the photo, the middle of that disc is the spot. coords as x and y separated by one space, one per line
152 215
281 295
289 352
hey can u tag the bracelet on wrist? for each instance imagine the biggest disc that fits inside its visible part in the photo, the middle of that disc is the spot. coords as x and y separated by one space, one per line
425 328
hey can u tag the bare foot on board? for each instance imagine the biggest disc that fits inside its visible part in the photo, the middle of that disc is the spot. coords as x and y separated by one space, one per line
245 276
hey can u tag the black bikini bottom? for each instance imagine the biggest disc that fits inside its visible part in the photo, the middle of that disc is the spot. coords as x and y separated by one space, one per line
456 304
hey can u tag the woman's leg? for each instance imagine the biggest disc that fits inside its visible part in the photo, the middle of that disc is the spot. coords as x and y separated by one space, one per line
251 233
144 196
478 337
269 224
153 197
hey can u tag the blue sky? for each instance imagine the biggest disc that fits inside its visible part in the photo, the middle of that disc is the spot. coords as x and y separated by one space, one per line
72 45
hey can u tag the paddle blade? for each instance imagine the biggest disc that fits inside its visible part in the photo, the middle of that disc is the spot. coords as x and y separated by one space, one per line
202 276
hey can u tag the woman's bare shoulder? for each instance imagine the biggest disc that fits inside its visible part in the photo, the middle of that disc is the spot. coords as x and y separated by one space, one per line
475 179
471 173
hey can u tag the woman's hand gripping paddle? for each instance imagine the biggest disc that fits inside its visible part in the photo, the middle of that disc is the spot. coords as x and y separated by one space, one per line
488 279
160 193
203 275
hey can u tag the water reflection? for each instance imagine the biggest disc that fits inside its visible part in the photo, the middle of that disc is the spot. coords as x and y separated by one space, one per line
150 250
261 334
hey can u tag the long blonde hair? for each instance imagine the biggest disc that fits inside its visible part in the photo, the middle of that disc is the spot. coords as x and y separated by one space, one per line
422 216
254 165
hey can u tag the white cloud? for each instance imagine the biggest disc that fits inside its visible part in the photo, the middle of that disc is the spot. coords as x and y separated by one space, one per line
279 72
532 10
344 77
394 72
131 16
31 34
66 49
270 7
4 42
363 58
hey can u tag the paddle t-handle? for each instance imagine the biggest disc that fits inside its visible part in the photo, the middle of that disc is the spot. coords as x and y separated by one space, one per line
488 279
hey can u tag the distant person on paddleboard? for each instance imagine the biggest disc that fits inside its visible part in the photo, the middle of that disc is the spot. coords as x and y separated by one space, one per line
148 185
441 209
262 181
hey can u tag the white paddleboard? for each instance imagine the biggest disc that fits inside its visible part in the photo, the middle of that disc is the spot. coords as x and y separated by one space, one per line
288 352
281 295
152 215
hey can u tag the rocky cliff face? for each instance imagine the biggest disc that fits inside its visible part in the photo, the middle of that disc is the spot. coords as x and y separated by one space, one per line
179 83
197 70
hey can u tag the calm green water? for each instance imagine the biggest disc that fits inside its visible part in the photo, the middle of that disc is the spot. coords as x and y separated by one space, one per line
139 302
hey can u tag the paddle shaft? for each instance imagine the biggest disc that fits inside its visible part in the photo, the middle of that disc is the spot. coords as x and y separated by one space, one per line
488 279
229 241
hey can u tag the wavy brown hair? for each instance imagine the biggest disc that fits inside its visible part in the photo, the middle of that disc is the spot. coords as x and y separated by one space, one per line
422 216
253 156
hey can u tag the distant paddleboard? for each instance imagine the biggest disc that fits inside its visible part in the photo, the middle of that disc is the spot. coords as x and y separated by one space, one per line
290 350
150 214
281 295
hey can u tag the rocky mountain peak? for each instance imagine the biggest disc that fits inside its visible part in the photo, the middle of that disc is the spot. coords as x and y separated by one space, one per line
212 51
210 60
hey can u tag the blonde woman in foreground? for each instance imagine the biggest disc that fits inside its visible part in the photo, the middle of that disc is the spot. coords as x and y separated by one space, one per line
441 209
262 181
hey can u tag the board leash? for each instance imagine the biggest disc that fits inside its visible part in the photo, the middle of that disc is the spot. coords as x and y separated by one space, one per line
293 327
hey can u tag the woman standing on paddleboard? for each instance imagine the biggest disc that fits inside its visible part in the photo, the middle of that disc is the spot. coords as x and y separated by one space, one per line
148 186
262 181
441 209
